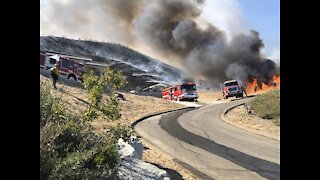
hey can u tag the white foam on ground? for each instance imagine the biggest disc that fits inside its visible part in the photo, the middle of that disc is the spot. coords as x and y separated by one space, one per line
132 167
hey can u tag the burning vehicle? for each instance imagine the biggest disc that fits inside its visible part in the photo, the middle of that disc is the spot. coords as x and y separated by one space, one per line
231 88
185 91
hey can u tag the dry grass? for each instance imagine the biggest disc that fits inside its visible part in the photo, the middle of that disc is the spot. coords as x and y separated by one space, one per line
134 108
267 105
155 156
210 96
251 122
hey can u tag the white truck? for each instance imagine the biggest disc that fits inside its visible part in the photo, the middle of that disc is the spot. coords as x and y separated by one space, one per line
231 88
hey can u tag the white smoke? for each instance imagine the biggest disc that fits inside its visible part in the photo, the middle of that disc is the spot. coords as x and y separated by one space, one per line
227 15
81 19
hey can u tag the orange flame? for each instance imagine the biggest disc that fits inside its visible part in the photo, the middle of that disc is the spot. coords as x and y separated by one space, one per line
252 87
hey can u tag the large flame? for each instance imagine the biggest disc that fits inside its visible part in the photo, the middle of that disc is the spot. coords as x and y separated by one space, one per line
274 84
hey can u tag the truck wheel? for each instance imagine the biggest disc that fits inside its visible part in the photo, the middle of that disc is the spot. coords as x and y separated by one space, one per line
226 97
119 99
72 77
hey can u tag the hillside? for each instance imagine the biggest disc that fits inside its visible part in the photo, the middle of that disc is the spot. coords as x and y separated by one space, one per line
140 70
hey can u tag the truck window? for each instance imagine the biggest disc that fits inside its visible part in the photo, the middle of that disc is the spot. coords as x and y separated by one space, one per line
233 89
80 68
66 64
235 83
189 87
52 61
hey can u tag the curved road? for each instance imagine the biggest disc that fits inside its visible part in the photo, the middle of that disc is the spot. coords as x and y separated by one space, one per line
211 147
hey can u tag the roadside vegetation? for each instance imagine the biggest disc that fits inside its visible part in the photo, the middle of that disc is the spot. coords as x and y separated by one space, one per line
69 146
267 106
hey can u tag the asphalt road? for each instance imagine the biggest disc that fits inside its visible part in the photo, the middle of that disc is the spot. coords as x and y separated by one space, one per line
210 147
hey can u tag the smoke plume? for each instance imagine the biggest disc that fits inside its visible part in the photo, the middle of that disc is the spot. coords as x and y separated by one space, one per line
173 29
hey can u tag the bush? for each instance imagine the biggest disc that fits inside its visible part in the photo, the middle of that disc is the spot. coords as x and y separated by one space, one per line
96 87
124 132
69 148
267 105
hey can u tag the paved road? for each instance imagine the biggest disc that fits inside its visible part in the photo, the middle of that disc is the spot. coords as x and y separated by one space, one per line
213 148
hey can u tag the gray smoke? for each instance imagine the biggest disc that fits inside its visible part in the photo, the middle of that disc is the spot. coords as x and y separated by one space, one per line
172 28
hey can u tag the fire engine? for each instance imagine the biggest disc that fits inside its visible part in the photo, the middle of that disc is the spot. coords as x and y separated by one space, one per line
185 91
70 67
231 88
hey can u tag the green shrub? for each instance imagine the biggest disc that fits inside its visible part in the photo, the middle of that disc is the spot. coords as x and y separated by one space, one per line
96 87
123 131
69 148
267 105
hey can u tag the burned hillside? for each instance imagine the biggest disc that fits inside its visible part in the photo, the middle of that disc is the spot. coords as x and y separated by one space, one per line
140 70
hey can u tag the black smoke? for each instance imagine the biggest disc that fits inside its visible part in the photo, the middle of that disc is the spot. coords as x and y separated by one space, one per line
172 28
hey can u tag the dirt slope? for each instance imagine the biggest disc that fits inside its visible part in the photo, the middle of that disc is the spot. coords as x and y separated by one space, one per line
251 122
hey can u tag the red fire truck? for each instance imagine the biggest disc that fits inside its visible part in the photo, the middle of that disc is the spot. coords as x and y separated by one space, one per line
185 91
70 67
231 88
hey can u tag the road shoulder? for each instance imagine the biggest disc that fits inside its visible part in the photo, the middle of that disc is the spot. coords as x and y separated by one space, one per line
238 117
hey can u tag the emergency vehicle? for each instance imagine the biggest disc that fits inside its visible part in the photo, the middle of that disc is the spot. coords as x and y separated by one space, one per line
70 67
231 88
185 91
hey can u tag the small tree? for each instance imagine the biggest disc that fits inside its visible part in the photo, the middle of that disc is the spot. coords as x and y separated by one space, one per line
69 146
96 87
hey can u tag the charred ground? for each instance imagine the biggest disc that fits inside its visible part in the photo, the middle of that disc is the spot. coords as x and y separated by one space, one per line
140 70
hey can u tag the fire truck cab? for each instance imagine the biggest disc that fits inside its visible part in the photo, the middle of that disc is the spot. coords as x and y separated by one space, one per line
231 88
185 91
